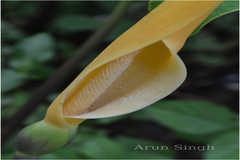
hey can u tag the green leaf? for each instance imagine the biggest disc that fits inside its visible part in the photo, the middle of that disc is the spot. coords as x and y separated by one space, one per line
9 32
104 121
226 146
39 47
153 4
223 9
227 23
74 23
63 153
11 80
15 101
31 69
209 60
192 117
22 64
101 147
208 43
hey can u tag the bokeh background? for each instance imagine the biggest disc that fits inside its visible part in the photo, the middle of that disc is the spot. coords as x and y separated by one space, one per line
38 37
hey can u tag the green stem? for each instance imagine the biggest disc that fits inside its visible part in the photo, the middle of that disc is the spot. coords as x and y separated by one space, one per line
64 71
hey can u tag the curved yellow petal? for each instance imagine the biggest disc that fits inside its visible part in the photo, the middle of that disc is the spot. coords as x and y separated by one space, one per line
55 117
165 20
137 69
152 74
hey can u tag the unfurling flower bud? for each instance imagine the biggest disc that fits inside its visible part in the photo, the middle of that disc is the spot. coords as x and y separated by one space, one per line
42 138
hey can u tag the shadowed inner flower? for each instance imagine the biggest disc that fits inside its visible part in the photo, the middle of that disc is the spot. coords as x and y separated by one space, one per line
116 80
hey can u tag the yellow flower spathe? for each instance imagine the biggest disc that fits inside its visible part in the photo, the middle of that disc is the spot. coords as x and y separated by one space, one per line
137 69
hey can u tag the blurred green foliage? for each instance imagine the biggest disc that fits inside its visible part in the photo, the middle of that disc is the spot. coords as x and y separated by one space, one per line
193 117
37 37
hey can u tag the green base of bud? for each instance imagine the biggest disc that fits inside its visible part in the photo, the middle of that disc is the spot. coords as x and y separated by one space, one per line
41 138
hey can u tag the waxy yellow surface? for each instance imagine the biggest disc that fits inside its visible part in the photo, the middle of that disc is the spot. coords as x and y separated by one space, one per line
139 68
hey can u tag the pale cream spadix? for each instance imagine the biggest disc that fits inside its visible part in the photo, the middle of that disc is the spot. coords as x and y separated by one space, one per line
137 69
